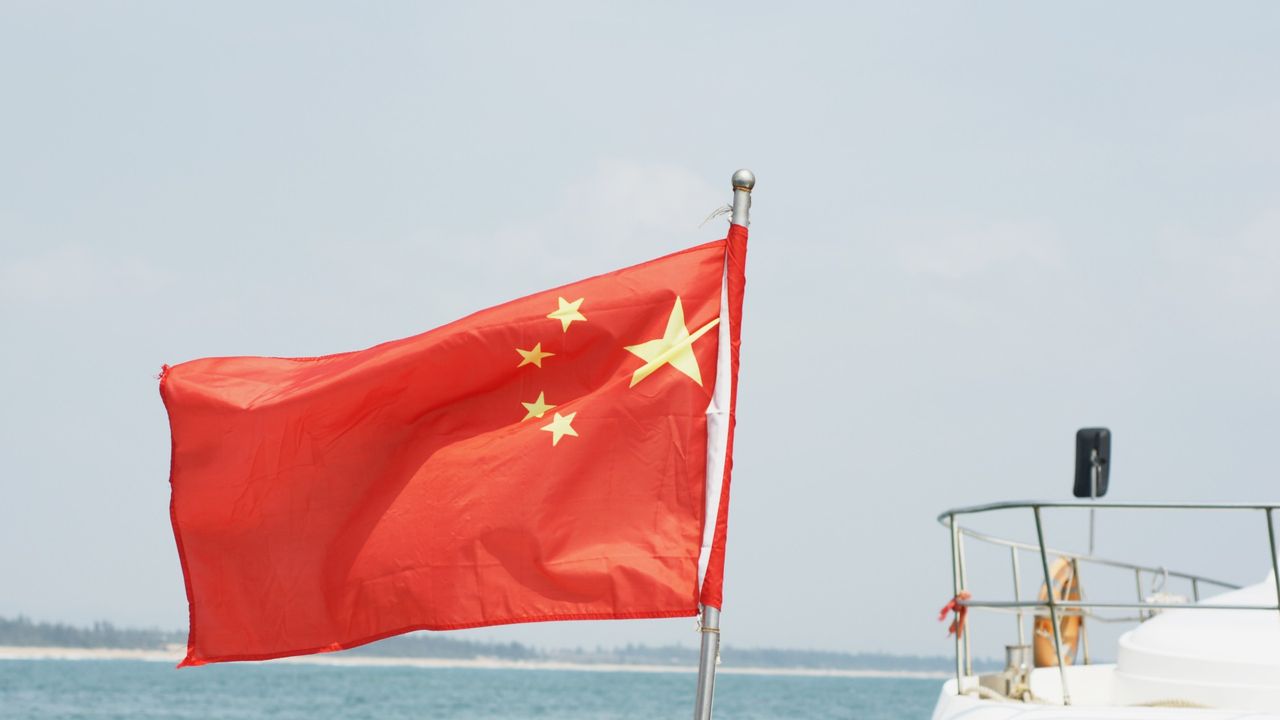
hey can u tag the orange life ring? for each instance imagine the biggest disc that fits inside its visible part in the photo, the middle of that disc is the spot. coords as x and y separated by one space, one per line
1066 586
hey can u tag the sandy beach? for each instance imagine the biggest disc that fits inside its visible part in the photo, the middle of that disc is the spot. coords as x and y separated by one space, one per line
174 653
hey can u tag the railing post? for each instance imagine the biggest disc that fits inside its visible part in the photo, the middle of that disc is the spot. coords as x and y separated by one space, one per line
1275 565
1017 594
1053 608
955 590
1137 579
1084 626
964 585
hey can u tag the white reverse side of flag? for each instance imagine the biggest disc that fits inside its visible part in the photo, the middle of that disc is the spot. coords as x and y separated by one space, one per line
717 428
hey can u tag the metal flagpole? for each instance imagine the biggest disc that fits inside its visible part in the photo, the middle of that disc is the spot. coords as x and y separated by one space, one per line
710 628
743 181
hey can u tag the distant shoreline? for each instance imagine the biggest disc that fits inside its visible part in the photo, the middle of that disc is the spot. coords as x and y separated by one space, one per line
11 652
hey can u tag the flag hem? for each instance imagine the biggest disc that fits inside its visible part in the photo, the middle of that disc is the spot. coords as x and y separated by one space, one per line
718 413
173 520
192 661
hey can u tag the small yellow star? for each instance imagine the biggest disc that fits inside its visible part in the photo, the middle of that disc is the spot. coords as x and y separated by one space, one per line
674 348
537 408
534 356
567 313
560 427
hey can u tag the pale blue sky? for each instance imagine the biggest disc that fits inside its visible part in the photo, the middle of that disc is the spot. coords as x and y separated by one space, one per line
978 226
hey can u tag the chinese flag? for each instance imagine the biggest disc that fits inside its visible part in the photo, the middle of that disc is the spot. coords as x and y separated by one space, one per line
565 456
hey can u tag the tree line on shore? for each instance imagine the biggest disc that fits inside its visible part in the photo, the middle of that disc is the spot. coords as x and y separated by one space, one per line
22 631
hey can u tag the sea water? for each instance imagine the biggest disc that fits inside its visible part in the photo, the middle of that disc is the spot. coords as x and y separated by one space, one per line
125 689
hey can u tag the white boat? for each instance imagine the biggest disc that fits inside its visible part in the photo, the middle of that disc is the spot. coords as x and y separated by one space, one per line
1200 658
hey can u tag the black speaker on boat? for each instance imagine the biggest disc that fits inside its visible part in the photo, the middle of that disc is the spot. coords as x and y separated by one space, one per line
1093 461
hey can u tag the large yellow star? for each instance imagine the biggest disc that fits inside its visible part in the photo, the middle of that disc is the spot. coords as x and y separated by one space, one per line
537 408
674 348
534 356
560 426
567 313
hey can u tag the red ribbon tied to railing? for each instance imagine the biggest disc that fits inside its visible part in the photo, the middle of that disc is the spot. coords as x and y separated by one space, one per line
957 606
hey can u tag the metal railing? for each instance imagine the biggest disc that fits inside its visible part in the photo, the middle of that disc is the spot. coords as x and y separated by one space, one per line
1054 606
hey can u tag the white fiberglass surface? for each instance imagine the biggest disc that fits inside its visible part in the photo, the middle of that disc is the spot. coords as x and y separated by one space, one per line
954 707
1221 658
1216 641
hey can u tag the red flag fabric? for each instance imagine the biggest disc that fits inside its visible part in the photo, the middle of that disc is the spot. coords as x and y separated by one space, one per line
565 456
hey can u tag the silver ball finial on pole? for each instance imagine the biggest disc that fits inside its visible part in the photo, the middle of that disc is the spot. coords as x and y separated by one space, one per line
743 181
